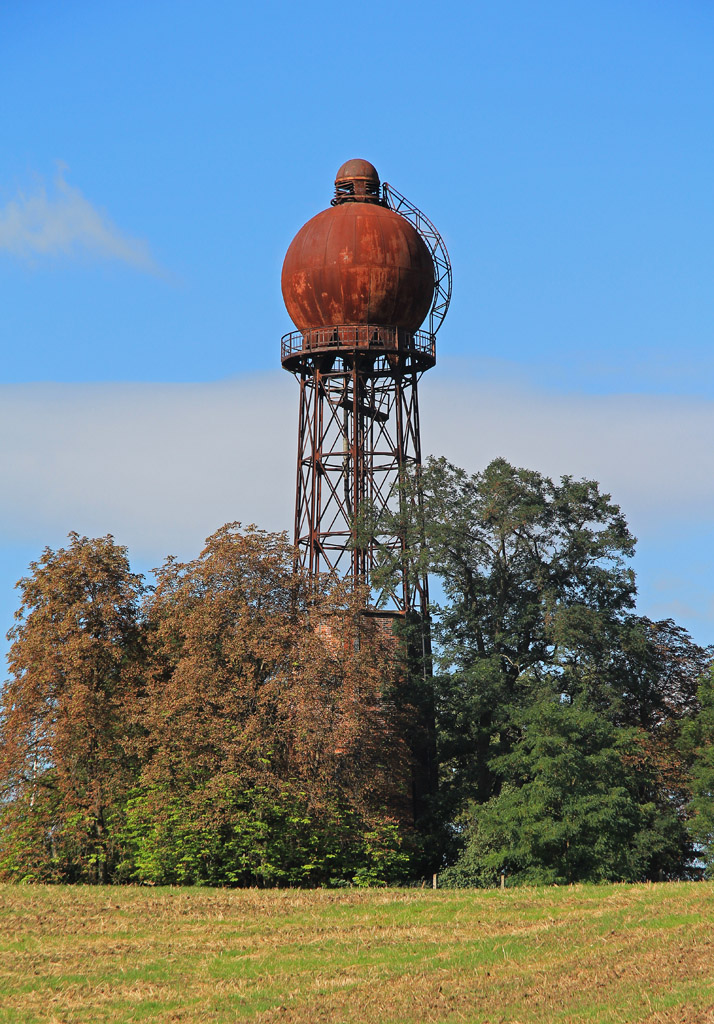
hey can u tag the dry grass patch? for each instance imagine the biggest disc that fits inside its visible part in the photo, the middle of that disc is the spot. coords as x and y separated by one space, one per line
611 954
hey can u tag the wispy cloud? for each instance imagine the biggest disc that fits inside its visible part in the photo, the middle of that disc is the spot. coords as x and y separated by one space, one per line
171 460
62 222
163 465
652 452
158 465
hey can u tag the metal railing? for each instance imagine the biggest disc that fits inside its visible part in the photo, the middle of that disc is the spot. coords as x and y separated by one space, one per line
357 337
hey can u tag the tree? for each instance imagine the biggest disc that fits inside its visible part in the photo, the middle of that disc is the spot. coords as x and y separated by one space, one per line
524 563
539 593
65 744
240 723
698 743
569 807
273 752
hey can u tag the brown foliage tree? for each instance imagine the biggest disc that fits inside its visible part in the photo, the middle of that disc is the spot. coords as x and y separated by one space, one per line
64 735
272 740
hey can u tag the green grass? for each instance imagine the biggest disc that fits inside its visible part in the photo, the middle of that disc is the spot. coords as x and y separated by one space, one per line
612 954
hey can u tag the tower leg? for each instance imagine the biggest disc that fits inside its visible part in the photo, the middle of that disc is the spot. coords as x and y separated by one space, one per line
358 436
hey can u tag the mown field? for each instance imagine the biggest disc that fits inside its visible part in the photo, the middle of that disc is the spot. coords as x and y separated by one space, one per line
619 954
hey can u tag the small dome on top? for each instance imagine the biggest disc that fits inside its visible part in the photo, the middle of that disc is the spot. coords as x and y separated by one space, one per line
356 181
357 169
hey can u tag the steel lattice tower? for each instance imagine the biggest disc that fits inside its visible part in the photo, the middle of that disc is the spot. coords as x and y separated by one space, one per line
358 281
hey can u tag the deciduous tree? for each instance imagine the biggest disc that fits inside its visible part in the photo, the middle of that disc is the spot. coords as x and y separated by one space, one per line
539 593
272 752
65 745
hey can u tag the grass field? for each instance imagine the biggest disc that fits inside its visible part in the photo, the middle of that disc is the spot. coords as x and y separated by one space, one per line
616 954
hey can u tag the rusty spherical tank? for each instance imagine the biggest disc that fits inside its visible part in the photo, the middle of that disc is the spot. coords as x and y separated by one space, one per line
358 262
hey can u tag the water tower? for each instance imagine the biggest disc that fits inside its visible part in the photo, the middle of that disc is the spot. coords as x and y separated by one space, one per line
359 280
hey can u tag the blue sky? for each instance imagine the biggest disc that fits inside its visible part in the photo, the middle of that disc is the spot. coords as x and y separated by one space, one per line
157 159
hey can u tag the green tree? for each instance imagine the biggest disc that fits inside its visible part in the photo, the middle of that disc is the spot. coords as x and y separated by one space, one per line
569 807
698 742
527 566
538 591
65 745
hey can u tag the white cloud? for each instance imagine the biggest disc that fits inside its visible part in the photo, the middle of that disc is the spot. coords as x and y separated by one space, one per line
653 453
65 223
158 465
161 466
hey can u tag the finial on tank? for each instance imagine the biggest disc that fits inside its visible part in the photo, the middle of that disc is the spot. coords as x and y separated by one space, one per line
357 181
